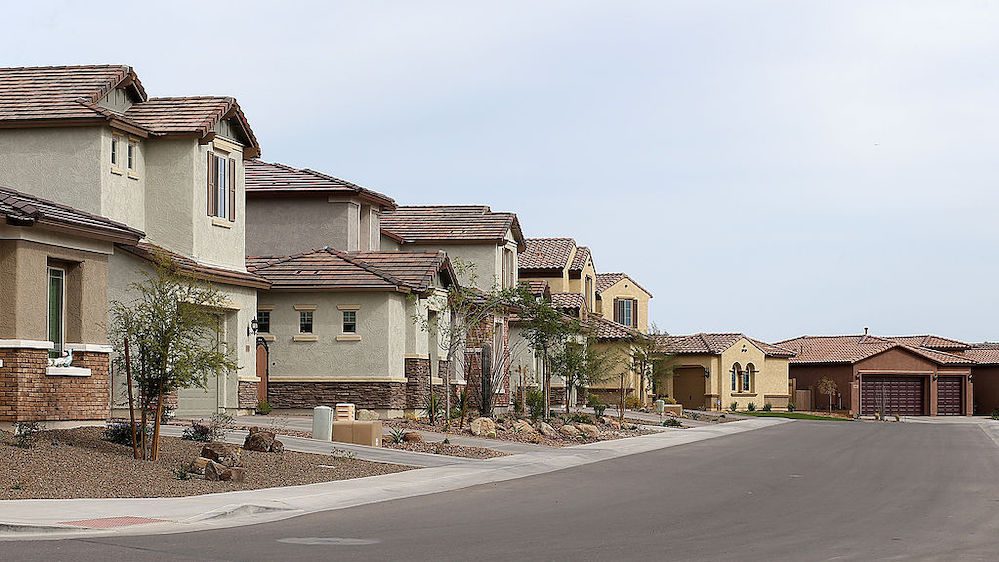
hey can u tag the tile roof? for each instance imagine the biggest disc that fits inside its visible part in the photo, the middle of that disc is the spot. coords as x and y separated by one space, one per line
604 329
983 353
47 93
579 259
930 341
194 268
607 280
713 344
546 254
450 224
21 209
850 349
537 287
330 269
268 177
568 300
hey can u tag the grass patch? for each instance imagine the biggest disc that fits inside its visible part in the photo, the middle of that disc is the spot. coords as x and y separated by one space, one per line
792 415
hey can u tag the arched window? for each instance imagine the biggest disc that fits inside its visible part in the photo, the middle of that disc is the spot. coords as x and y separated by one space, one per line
736 376
747 378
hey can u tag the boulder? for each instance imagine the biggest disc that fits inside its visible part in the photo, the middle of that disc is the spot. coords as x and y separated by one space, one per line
412 437
569 430
222 453
613 423
483 427
198 465
237 474
547 430
277 446
588 430
523 426
629 426
216 472
259 440
367 415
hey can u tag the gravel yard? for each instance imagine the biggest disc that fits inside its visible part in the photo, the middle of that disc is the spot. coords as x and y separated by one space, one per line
77 463
448 449
506 431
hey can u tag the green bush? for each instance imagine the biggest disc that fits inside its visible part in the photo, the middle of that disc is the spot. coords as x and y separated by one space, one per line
733 406
995 414
632 402
120 432
767 407
672 422
264 408
579 417
397 435
669 400
790 406
215 430
535 403
751 406
434 406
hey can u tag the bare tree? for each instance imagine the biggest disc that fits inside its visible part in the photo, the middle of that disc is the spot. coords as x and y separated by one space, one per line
827 386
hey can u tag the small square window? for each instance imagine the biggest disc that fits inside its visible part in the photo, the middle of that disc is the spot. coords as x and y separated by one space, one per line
305 321
264 321
130 156
350 322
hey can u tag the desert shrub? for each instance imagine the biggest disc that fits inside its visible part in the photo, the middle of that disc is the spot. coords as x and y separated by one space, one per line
342 454
669 400
216 429
264 408
181 473
518 408
672 422
767 407
434 406
25 434
632 402
120 432
397 435
995 414
535 403
579 417
790 406
751 406
733 406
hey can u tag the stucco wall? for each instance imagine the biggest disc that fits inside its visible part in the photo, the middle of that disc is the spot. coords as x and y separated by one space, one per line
61 164
216 241
618 362
579 285
626 289
283 226
123 192
168 207
769 384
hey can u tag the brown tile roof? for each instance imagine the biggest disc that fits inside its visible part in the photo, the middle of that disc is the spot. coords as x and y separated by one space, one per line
568 300
56 93
931 341
328 269
608 280
546 254
579 259
537 287
604 329
850 349
983 353
195 269
450 224
713 344
273 178
21 209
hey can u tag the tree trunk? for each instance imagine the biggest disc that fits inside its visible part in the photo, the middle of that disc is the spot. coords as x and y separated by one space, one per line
620 407
131 401
155 453
546 383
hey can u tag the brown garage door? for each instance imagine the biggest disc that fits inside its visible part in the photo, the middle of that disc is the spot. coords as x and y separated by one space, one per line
892 395
688 387
949 394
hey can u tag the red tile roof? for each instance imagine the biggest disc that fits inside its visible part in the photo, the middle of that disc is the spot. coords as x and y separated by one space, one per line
328 269
579 259
931 341
983 353
195 269
21 209
853 348
568 300
450 224
546 254
536 287
713 344
607 280
273 178
606 330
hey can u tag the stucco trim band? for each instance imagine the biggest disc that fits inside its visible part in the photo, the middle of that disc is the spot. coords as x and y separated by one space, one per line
340 378
67 372
90 347
26 344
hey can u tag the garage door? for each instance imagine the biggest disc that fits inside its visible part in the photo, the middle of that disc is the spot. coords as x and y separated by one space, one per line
892 395
688 387
949 394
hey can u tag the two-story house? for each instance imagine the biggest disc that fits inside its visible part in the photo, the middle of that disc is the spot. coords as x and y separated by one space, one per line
343 320
91 138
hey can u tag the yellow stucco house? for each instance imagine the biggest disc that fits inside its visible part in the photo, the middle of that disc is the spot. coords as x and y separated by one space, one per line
620 299
712 371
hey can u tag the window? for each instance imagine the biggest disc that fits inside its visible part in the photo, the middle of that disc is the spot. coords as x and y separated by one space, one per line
221 186
736 376
130 156
589 292
56 316
305 321
624 312
114 151
350 321
264 321
508 269
747 378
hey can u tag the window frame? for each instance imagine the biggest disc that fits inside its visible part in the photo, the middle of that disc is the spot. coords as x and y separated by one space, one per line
351 323
131 150
115 160
302 315
57 346
264 326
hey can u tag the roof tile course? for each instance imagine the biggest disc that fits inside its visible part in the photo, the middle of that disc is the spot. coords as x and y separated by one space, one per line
450 223
15 205
579 259
331 269
850 349
568 300
546 254
194 268
267 177
713 344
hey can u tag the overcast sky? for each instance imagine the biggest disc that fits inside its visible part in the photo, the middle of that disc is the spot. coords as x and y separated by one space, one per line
776 168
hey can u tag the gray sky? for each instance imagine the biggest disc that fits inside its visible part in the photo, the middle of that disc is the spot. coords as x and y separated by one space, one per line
778 168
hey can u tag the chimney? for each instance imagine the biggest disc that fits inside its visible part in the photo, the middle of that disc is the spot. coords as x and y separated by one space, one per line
865 330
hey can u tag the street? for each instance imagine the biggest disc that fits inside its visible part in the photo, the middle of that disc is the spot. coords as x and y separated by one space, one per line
796 491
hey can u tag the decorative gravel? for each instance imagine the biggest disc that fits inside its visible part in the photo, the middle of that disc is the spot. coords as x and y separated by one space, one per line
77 463
448 449
505 432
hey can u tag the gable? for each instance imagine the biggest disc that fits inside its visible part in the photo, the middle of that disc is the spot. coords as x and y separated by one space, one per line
896 358
232 130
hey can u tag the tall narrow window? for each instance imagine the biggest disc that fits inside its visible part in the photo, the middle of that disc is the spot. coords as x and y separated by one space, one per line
747 378
56 316
305 322
349 321
130 156
589 292
114 151
221 186
264 321
736 377
624 312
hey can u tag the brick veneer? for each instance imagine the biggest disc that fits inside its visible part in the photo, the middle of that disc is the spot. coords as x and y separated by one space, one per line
389 395
28 394
248 395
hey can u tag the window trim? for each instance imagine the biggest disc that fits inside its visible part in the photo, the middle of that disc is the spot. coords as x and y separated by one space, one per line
116 154
312 322
263 327
57 347
351 323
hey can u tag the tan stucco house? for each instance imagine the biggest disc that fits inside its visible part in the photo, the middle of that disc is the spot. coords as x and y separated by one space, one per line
91 138
713 371
621 299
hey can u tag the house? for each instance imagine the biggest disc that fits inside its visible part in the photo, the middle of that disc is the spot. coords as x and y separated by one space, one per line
53 294
92 139
713 371
621 299
566 268
904 375
483 246
984 377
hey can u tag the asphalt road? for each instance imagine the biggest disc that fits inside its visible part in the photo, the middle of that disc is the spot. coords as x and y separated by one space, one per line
797 491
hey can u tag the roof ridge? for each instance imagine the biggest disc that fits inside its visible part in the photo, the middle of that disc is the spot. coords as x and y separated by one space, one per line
367 266
202 97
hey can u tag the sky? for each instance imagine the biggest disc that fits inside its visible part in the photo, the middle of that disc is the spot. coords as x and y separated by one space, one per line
773 168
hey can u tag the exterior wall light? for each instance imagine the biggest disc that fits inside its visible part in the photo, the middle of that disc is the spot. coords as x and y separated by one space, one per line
252 328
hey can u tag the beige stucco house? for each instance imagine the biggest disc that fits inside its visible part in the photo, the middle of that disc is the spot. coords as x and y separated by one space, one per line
90 137
621 299
712 371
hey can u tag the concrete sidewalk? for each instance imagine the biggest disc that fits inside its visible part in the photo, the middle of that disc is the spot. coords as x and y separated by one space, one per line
34 519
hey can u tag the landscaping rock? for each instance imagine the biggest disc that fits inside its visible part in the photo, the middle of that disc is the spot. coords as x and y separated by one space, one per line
198 466
629 426
547 430
569 430
259 440
412 437
222 453
367 415
216 472
523 426
277 446
613 423
588 430
483 427
237 474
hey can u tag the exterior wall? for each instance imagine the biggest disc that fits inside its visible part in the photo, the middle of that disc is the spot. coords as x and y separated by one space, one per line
579 285
370 395
216 241
626 289
478 336
28 393
986 383
485 258
619 357
524 364
247 395
123 192
278 226
807 376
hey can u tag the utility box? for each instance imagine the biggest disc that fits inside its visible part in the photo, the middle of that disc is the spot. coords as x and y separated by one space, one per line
343 431
345 411
322 423
358 432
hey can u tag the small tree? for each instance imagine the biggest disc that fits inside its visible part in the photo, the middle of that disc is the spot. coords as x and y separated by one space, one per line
581 363
645 354
827 386
547 332
172 328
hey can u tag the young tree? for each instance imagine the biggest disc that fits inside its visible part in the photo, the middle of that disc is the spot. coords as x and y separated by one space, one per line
580 364
172 329
645 353
827 386
547 332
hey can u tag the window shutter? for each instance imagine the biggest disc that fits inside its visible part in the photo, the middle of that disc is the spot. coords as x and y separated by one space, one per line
232 189
212 192
617 310
634 313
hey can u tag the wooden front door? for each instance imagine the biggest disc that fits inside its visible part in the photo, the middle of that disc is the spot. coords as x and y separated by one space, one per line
263 364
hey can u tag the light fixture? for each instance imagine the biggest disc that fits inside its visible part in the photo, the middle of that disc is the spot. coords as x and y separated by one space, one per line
252 328
707 373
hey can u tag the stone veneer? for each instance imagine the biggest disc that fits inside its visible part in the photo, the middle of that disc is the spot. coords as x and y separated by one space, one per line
27 393
248 395
479 335
370 395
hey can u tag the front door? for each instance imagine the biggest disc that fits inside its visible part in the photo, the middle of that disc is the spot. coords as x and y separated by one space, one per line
262 369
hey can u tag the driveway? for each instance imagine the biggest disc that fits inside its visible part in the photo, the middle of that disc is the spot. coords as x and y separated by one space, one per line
795 491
